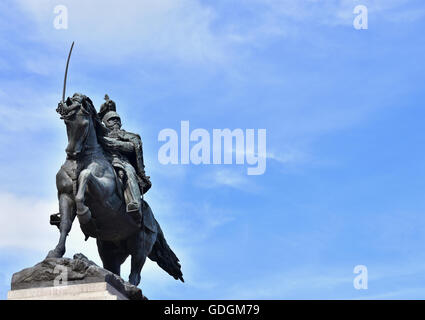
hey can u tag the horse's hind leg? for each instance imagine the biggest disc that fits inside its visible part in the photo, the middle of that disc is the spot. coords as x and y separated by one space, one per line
112 255
139 246
138 260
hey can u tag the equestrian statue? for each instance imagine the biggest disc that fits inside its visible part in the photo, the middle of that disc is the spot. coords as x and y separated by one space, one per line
103 182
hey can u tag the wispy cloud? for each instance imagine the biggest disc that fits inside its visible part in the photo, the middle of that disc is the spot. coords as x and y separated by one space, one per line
24 109
161 29
190 30
334 12
288 284
24 225
332 283
226 177
292 156
272 19
25 222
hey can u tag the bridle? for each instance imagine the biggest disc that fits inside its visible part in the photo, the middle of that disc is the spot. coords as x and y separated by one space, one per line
84 151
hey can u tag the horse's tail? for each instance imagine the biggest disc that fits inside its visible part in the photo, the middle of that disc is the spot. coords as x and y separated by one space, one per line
165 257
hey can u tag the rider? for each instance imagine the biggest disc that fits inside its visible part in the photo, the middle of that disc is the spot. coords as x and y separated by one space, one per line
127 158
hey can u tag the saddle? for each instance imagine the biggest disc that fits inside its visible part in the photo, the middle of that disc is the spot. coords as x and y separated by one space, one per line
71 169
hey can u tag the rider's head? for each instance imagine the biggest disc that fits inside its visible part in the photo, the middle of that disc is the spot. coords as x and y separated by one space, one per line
112 120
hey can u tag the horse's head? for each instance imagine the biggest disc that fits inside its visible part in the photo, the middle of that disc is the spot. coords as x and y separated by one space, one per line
78 113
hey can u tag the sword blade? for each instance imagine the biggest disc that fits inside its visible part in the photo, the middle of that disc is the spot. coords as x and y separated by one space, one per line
66 73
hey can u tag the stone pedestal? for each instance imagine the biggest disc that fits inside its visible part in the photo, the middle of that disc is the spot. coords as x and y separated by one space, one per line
87 291
70 279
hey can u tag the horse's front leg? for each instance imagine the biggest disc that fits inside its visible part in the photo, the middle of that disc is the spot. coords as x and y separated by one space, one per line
64 186
67 215
96 189
83 212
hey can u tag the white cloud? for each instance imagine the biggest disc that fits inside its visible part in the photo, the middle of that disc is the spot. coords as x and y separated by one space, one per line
290 156
189 30
281 18
24 224
229 178
232 178
334 282
334 12
43 65
289 284
178 29
28 109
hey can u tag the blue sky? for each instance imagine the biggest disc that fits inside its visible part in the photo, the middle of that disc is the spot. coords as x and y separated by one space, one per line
343 110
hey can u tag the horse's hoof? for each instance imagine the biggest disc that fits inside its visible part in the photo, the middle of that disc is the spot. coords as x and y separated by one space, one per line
55 254
134 279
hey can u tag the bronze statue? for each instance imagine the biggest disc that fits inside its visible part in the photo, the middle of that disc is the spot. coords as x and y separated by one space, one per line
102 182
89 188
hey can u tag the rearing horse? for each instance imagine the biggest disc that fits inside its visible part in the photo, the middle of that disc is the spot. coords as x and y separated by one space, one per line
89 189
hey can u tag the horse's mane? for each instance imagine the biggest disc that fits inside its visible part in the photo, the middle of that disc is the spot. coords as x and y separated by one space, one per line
101 130
87 104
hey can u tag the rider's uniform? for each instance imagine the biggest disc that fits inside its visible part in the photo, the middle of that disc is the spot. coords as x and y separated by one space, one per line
126 153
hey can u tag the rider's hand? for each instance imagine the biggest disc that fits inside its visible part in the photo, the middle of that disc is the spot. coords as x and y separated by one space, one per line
109 142
60 106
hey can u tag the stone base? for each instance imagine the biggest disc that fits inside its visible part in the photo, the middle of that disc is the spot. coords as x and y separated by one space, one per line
87 291
70 279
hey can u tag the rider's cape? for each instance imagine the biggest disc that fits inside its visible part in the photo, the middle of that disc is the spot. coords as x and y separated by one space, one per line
136 160
148 218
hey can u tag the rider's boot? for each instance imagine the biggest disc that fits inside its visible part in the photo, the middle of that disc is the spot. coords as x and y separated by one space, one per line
133 209
132 197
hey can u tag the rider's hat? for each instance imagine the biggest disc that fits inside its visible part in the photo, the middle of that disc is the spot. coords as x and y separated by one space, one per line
110 115
109 105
